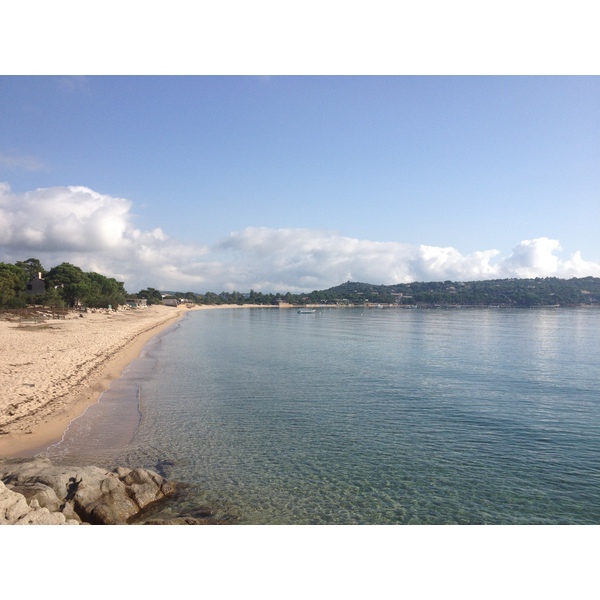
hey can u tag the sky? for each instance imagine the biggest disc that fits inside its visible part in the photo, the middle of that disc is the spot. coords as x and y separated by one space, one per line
295 183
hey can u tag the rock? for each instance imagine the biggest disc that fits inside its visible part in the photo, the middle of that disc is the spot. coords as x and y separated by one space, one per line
103 499
14 510
176 521
43 494
87 494
143 486
186 521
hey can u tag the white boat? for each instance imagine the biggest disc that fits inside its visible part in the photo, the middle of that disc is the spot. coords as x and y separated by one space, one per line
307 311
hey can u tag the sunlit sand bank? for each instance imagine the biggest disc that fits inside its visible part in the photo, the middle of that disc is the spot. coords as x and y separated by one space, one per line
51 371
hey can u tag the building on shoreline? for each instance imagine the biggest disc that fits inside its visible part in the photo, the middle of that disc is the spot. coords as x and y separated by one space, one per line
36 286
137 302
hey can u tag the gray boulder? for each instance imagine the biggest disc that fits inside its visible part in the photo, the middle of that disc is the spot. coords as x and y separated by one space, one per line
87 494
15 510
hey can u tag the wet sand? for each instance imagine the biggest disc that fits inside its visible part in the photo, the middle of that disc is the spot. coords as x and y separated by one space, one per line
51 371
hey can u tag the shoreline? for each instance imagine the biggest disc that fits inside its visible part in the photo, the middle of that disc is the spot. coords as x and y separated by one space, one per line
98 349
70 388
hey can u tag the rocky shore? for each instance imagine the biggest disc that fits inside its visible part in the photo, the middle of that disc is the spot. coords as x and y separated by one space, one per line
36 492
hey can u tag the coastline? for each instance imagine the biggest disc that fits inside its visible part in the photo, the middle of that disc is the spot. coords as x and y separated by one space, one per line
51 372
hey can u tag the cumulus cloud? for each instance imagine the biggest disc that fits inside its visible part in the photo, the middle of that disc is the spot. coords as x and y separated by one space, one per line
96 232
301 259
63 219
536 258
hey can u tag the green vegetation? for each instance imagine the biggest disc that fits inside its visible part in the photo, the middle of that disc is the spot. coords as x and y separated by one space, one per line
12 286
211 298
547 291
66 285
151 295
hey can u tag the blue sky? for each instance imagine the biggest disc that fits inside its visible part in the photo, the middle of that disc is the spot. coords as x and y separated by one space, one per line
301 182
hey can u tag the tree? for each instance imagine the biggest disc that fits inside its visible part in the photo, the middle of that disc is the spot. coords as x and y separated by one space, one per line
52 298
32 266
12 286
70 281
101 291
152 296
212 298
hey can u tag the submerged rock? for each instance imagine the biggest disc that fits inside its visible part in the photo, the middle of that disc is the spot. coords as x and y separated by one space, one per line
36 491
186 521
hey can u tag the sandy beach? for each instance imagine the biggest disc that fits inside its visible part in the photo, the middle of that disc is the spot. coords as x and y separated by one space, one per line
51 371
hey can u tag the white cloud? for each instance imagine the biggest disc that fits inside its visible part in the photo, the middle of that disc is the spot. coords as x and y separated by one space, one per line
431 263
96 232
537 258
63 219
301 259
533 258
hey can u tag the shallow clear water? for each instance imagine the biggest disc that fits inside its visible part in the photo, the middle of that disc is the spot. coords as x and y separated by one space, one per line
367 416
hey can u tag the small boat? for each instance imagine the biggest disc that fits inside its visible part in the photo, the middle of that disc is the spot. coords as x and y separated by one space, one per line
307 311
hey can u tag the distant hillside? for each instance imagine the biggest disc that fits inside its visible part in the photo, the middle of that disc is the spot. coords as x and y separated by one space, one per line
548 291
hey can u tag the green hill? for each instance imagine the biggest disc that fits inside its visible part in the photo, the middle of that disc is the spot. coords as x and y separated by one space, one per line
547 291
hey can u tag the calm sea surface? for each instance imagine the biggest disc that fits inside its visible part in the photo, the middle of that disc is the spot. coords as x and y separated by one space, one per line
355 416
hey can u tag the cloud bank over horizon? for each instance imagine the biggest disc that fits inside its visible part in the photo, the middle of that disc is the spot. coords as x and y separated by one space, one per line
96 232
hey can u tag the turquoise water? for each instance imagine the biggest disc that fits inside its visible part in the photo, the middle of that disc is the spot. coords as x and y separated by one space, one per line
354 416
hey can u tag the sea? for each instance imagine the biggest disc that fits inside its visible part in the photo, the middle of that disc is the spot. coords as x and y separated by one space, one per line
362 416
